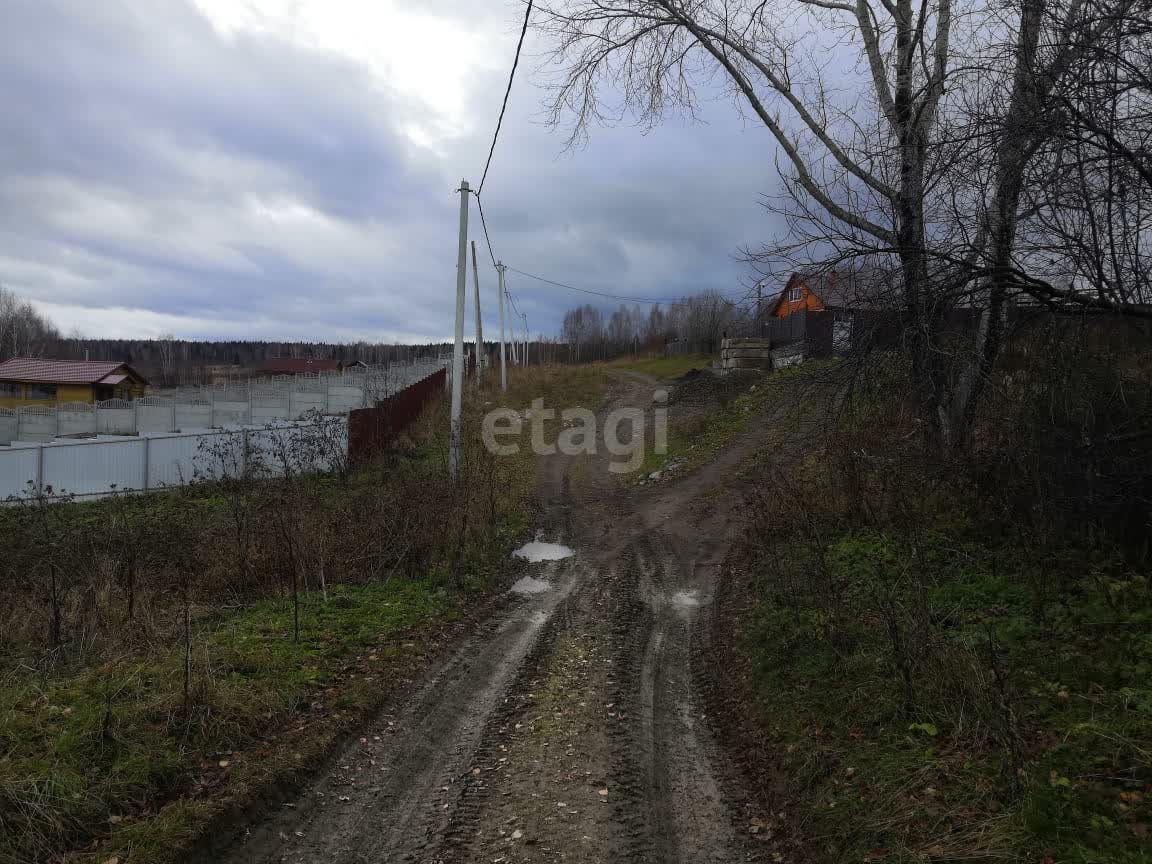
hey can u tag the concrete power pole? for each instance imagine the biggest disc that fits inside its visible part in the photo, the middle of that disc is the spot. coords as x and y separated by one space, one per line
479 329
514 339
503 353
525 317
458 349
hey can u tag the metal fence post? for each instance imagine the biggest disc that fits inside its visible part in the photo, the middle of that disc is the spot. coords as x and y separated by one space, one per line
147 461
40 470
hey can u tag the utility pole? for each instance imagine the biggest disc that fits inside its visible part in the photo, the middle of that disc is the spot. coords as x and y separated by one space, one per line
503 358
458 349
479 328
513 338
525 318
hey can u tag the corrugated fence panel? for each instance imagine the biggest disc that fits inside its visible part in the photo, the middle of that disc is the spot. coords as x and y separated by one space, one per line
94 468
172 459
219 454
17 470
263 455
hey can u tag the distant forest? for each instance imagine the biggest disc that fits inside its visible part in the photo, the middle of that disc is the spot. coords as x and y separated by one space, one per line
179 361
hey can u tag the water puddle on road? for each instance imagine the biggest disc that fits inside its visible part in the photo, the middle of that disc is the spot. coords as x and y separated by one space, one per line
537 551
528 585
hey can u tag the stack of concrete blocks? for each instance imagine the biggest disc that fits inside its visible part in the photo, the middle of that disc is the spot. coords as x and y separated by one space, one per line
788 355
745 353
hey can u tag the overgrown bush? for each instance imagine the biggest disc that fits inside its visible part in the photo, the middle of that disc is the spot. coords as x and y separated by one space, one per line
969 636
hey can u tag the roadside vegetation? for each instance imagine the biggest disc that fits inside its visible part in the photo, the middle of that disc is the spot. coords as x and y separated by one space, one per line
950 659
667 367
166 660
708 412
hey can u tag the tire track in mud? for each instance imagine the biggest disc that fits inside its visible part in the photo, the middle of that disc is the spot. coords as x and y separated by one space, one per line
396 789
632 757
487 760
688 818
464 762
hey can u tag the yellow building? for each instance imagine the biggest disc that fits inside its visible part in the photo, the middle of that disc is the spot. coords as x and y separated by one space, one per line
32 381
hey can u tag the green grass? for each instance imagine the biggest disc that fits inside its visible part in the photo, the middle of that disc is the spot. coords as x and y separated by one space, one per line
112 753
1042 753
101 757
695 438
665 367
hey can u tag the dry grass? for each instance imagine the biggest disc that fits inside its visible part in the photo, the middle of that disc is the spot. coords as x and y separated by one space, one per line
952 662
163 657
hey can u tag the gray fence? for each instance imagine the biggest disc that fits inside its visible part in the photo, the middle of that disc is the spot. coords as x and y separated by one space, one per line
189 434
221 406
94 467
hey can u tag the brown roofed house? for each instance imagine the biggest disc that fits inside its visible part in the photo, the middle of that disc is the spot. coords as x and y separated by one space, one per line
817 290
298 366
35 381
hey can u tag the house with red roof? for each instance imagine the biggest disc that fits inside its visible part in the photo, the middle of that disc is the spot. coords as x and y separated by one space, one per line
823 289
297 366
35 381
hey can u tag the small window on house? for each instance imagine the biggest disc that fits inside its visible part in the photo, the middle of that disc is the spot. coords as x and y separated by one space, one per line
795 294
9 391
41 391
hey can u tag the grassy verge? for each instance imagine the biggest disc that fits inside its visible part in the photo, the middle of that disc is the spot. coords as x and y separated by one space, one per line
253 627
951 659
664 367
708 413
1021 733
120 756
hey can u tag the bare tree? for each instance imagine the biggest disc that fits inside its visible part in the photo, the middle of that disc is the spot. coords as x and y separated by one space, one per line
920 166
24 332
867 179
166 343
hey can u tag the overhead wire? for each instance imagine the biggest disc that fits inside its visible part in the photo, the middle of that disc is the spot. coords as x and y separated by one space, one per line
484 225
484 221
496 137
507 93
664 300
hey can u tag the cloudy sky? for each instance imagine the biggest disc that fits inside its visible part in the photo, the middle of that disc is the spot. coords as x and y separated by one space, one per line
284 169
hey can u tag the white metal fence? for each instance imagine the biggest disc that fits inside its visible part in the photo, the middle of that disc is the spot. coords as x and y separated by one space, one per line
93 467
213 407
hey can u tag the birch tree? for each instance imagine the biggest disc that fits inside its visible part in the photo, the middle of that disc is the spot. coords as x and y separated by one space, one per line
918 161
23 330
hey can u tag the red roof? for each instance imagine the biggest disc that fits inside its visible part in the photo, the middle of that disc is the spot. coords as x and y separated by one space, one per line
38 371
294 366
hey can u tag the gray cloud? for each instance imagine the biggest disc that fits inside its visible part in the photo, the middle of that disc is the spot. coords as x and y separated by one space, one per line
223 185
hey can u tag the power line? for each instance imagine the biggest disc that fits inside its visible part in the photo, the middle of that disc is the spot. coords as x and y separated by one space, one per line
664 300
484 225
507 92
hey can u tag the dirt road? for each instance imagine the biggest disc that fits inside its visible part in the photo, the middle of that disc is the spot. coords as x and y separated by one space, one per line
566 728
